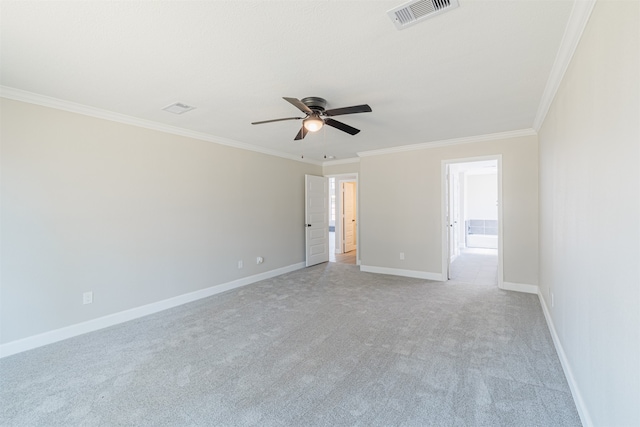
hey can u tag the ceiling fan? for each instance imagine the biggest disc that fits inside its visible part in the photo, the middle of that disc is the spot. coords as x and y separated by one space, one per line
317 116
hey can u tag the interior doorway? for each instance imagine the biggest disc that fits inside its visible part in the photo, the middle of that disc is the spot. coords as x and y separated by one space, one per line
472 213
343 219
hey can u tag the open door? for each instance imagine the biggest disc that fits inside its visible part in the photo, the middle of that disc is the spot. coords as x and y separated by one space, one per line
317 219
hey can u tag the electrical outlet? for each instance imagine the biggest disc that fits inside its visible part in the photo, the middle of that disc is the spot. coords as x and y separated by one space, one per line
87 298
259 260
240 264
552 301
401 255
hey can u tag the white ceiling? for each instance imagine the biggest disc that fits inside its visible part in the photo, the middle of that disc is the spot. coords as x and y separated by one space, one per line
478 69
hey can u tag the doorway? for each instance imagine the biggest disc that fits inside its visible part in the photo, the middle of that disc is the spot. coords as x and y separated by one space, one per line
343 219
472 212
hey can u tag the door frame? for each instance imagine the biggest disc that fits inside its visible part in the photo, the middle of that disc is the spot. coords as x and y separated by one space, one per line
340 178
444 209
451 197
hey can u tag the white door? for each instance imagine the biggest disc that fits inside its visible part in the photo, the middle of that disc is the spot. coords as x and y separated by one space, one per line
317 219
454 196
349 204
449 220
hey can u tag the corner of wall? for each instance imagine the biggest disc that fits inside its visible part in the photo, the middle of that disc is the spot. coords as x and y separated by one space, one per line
581 406
519 287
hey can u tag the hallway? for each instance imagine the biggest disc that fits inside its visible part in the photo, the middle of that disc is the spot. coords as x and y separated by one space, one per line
348 258
475 266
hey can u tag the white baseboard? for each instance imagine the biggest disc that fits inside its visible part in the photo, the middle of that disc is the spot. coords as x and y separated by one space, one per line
400 272
519 287
566 367
56 335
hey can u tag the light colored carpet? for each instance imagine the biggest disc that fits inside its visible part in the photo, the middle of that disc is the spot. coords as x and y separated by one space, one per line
324 346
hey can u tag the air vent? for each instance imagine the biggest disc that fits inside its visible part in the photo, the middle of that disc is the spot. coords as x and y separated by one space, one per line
417 11
178 108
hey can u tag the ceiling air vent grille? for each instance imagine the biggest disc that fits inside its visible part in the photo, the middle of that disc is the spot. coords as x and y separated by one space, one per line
178 108
416 11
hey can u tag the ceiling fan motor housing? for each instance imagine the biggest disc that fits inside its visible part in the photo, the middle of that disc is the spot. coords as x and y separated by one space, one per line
314 103
317 116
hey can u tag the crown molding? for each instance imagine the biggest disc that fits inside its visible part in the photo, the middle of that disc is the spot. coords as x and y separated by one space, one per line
455 141
341 161
572 34
50 102
59 104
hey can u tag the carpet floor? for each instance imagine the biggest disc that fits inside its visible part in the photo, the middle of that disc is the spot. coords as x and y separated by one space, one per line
323 346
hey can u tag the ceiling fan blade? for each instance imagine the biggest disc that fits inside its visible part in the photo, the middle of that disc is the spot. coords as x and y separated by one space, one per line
276 120
303 132
343 127
364 108
298 104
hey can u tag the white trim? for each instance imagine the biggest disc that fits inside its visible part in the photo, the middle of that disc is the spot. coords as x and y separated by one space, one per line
572 34
401 272
443 212
56 335
444 207
59 104
455 141
519 287
341 161
581 406
500 225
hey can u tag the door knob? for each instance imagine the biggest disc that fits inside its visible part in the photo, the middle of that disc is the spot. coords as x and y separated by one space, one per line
308 225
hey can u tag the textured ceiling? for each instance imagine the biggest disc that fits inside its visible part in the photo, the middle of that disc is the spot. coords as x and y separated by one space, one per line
478 69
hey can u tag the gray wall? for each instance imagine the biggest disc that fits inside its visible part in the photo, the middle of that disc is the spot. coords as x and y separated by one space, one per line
134 215
590 214
400 199
341 168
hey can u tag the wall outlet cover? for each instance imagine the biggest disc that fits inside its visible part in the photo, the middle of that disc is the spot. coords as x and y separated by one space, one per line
87 298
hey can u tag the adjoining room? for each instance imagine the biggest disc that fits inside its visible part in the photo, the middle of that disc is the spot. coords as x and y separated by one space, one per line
473 212
343 225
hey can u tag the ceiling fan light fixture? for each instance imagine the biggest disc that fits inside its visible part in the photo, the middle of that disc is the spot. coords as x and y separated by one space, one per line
316 116
313 123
